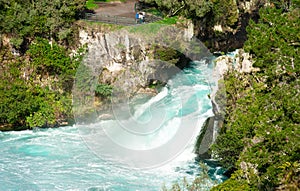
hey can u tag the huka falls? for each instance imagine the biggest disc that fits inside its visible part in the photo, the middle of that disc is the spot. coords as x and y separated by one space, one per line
149 95
61 159
142 140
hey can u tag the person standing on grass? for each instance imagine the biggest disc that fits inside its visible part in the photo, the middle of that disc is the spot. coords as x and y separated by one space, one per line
143 16
137 16
140 18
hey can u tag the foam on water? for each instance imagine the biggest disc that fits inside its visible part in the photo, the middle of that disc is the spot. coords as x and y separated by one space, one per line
59 159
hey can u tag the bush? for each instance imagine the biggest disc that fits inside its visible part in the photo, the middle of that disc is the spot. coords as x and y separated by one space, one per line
103 90
36 92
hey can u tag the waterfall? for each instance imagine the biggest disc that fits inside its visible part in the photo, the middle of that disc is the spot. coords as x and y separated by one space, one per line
92 159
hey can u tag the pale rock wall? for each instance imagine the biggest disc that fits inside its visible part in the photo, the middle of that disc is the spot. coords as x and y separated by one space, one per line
125 60
117 59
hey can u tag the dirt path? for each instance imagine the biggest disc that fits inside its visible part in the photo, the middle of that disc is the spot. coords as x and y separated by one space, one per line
117 9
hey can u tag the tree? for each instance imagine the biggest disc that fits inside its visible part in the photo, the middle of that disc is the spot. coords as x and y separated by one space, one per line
223 12
51 19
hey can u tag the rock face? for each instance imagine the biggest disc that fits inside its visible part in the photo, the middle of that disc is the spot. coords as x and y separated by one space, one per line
205 139
244 63
241 62
132 62
129 62
115 59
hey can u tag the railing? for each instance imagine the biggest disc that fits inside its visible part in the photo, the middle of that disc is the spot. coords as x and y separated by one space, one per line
118 20
110 19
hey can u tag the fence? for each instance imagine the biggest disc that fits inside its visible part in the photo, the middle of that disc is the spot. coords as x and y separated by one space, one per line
110 19
118 20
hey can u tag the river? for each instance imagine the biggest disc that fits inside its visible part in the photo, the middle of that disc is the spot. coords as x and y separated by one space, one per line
61 159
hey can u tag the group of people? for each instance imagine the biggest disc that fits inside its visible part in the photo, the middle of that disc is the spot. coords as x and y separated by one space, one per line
140 17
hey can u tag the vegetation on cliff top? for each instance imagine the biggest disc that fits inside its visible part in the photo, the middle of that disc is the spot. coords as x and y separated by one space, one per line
23 20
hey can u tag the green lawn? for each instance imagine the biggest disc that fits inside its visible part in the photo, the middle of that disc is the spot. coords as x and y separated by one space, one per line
90 4
110 0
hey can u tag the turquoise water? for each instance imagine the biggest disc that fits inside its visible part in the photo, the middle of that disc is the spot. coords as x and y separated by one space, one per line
61 159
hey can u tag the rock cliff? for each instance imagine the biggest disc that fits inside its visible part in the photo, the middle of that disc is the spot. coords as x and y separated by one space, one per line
134 60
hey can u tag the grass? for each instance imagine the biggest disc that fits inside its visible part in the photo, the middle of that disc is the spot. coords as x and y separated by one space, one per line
90 4
168 20
99 25
109 1
146 29
152 28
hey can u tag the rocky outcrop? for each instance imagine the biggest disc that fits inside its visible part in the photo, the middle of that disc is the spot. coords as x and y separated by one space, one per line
132 62
244 63
205 139
241 62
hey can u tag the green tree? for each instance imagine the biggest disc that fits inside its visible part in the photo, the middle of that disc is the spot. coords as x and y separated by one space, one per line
222 12
51 19
50 59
